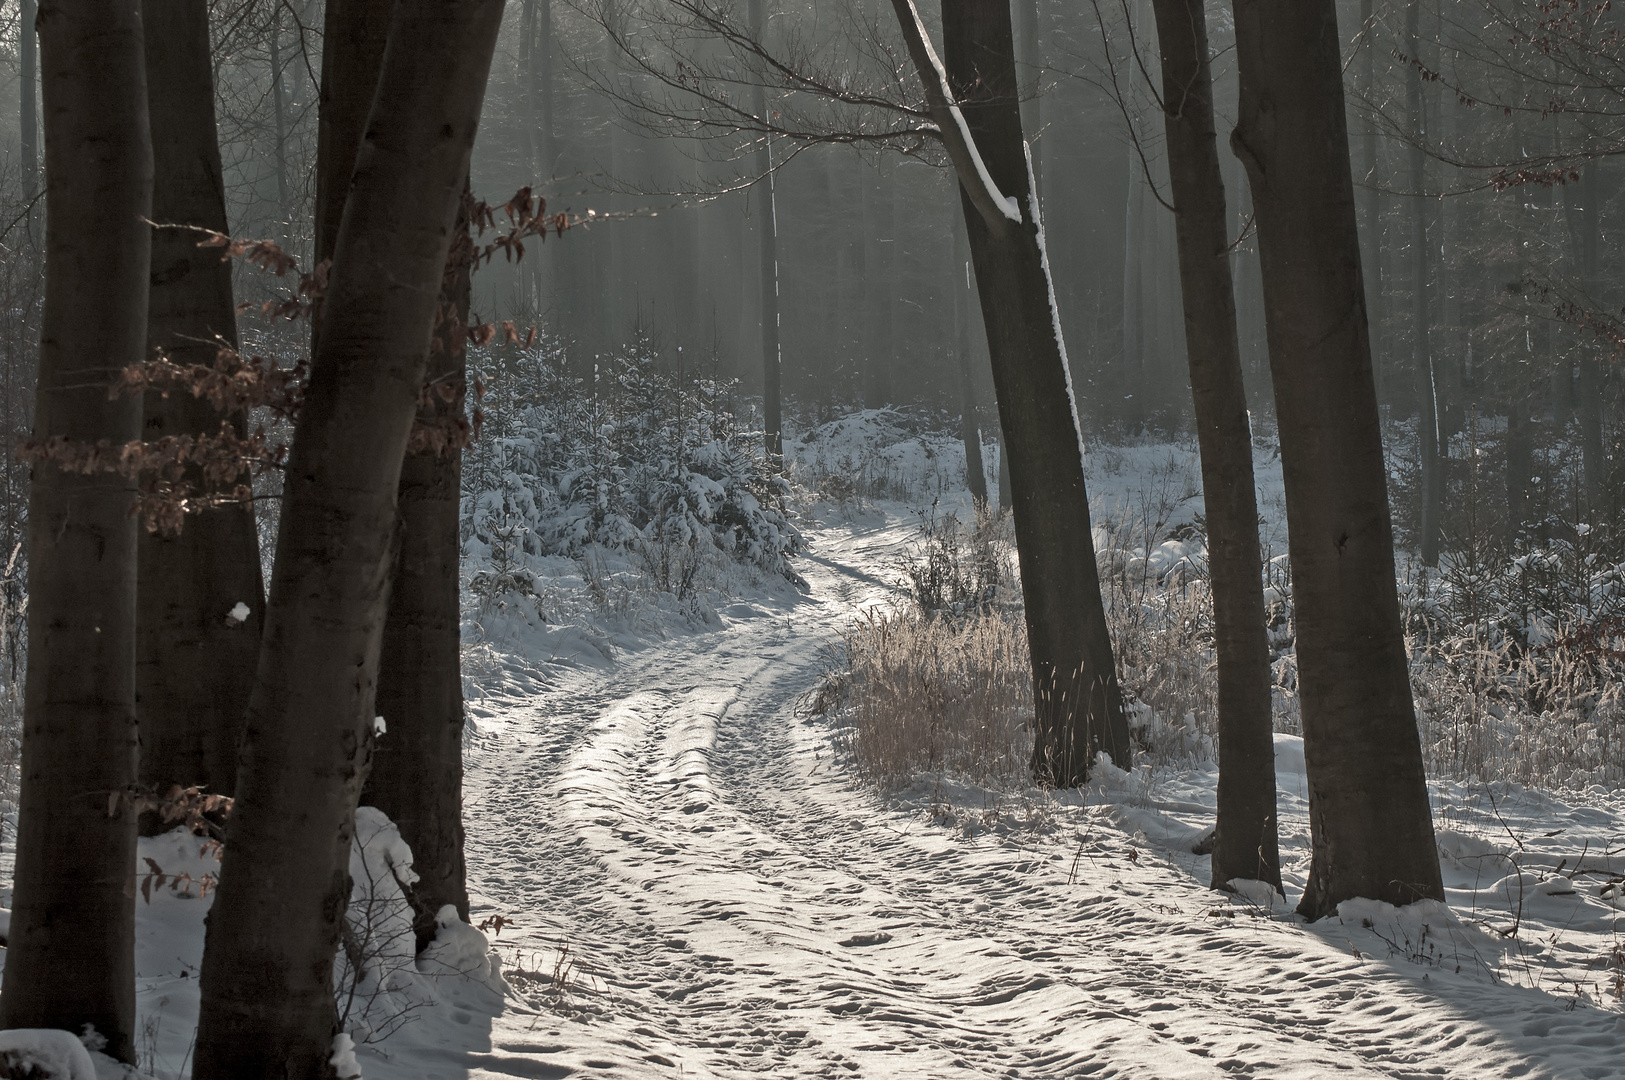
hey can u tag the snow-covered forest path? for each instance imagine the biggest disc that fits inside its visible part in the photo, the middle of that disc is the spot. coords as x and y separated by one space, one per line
671 838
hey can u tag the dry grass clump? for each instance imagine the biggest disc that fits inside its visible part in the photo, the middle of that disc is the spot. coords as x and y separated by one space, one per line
1517 661
942 696
1549 715
942 686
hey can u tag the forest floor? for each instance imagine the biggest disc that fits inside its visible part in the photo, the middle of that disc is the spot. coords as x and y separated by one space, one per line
698 887
691 882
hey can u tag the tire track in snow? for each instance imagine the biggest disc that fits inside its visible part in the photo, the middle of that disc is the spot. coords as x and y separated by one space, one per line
742 910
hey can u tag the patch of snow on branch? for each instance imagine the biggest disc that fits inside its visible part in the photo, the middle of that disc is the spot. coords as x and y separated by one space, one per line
1006 205
1054 308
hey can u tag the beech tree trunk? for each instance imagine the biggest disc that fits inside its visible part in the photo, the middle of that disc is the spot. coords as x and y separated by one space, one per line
1422 366
1133 365
1371 202
881 290
970 432
28 130
194 665
417 767
1368 803
417 770
1079 704
267 1007
1245 844
354 33
767 255
1593 456
70 958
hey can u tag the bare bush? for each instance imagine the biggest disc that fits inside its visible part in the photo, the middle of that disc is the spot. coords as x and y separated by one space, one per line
935 695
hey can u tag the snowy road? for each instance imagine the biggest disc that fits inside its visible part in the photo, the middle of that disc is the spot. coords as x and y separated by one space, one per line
732 906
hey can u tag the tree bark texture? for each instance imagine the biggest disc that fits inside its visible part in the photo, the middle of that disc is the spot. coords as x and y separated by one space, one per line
417 767
1368 803
1371 198
28 123
1245 843
1422 365
767 259
194 665
417 770
70 959
1079 703
267 1008
1593 457
354 34
970 432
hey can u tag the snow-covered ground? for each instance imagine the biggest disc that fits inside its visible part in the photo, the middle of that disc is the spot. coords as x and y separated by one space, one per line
690 883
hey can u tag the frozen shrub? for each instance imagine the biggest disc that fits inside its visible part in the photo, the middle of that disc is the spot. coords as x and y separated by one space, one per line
637 455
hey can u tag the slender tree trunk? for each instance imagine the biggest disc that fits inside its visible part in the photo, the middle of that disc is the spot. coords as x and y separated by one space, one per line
194 665
70 958
882 292
1133 367
1079 704
969 430
767 238
1593 458
542 73
1006 496
1368 803
28 129
1371 202
1519 444
417 768
1245 844
1422 366
267 1008
278 112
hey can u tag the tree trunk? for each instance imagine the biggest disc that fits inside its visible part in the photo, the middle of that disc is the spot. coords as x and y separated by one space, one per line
1133 366
70 959
1079 704
28 130
1032 106
417 768
278 112
1371 202
1520 460
881 235
194 665
1422 366
354 34
1368 801
417 772
767 238
969 430
1245 842
267 1007
1593 458
1005 496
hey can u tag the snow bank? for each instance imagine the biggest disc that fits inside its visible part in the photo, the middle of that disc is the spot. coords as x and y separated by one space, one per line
45 1053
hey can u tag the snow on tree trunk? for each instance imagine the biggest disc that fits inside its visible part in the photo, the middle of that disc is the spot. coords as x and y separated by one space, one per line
1079 703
